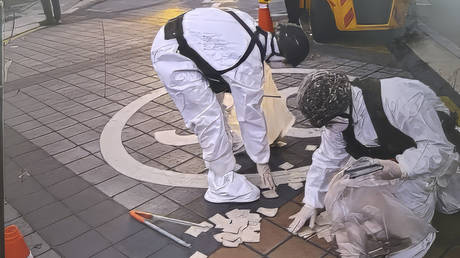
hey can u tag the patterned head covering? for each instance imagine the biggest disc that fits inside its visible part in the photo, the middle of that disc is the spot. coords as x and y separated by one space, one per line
323 96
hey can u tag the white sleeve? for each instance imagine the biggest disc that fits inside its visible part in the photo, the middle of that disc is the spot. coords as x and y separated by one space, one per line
415 115
327 161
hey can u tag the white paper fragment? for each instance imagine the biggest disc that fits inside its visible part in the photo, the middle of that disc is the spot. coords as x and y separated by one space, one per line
280 144
286 166
267 211
230 237
254 217
254 227
307 233
198 255
270 194
372 227
311 147
250 236
231 244
219 237
295 185
324 232
236 225
219 220
253 223
304 132
195 231
237 167
237 213
323 219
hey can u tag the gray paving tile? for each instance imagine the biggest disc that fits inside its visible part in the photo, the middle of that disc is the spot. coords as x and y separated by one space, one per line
182 214
135 196
20 148
129 133
184 195
61 124
109 253
172 250
85 164
85 137
83 246
116 185
30 202
139 157
37 132
170 117
10 213
22 225
56 117
97 122
64 230
73 130
120 228
174 158
102 213
109 108
93 146
47 139
156 111
192 166
149 125
42 112
87 115
54 176
84 199
159 205
99 174
36 244
140 142
142 244
71 155
42 166
68 187
21 187
137 118
155 150
157 188
47 215
26 126
49 254
98 103
59 146
18 120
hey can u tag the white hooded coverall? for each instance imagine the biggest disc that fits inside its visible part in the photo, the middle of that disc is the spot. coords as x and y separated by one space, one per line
221 41
411 107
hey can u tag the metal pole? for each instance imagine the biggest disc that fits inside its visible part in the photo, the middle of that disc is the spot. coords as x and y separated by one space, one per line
2 78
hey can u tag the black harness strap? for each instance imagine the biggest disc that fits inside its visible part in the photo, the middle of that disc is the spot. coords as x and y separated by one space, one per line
391 140
174 29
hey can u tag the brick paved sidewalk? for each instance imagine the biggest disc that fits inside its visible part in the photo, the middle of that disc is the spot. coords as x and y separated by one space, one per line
74 204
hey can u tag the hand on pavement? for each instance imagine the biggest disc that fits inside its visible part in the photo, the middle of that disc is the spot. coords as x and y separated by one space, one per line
301 217
390 171
266 176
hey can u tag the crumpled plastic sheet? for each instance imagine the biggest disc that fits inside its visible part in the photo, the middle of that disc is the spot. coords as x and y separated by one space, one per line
367 220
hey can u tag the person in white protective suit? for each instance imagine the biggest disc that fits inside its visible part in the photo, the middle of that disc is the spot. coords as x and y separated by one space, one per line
399 122
205 52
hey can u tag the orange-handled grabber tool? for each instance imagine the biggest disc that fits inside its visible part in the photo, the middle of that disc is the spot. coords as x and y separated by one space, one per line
144 217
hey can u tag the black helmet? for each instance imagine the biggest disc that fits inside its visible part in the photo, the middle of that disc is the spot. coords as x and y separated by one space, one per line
323 96
292 43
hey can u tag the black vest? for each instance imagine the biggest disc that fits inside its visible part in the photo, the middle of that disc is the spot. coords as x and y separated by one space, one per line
391 140
173 29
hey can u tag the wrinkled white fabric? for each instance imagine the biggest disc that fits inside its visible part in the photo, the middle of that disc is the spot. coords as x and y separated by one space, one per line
222 41
411 107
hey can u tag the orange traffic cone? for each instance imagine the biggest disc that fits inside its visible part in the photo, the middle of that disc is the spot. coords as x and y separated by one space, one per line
15 246
265 20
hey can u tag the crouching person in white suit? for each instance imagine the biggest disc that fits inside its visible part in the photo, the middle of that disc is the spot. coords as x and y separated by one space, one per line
208 51
400 123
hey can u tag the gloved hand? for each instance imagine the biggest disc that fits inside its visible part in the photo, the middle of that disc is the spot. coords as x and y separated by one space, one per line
390 171
265 176
301 217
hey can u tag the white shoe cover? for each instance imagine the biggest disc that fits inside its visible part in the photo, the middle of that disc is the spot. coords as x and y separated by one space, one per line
236 188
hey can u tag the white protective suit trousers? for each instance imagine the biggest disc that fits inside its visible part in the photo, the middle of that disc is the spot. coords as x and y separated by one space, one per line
203 114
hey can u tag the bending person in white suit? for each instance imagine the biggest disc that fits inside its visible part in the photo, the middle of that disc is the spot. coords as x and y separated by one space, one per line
207 51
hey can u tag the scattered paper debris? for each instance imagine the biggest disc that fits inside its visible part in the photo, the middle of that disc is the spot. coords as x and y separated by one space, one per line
270 194
311 147
240 226
195 231
237 167
219 220
280 144
286 166
307 233
295 185
323 219
267 211
198 255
